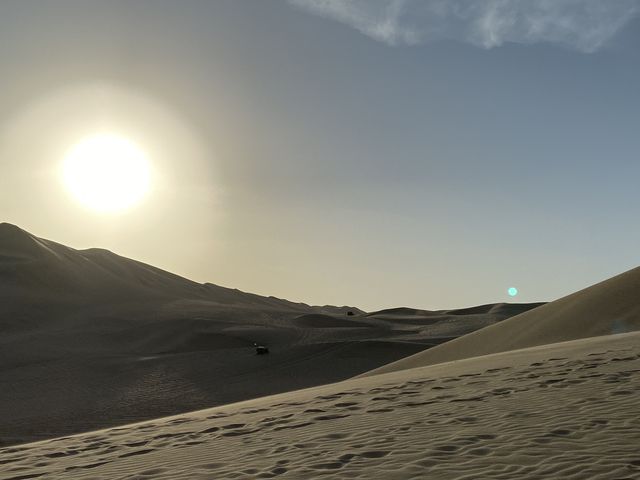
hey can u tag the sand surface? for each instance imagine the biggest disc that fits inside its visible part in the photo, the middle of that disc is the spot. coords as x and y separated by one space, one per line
566 410
91 339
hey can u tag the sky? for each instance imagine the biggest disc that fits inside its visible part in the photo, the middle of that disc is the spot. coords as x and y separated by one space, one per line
422 153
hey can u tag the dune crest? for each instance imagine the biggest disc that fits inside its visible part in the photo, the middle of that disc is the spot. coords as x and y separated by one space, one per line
608 307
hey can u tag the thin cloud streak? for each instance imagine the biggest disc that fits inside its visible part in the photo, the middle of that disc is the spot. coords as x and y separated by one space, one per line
583 25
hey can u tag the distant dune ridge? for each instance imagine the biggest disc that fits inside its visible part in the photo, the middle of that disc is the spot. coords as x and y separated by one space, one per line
91 339
45 267
609 307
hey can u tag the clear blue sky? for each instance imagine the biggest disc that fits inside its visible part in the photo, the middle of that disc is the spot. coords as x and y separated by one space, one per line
367 153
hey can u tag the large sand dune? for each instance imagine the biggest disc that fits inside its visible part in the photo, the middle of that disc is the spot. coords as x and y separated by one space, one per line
549 393
91 339
566 410
611 306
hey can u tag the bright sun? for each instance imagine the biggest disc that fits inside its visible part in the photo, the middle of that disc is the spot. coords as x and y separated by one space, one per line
106 172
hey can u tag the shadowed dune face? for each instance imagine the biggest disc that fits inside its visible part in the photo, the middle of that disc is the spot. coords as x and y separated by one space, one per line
608 307
30 264
91 339
316 320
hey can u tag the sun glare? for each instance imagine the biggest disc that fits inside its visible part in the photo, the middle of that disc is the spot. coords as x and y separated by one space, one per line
106 173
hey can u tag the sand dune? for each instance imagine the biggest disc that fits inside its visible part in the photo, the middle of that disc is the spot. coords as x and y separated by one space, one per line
91 340
502 402
611 306
565 410
32 265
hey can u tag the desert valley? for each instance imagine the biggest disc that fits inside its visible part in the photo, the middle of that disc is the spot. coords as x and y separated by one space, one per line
115 369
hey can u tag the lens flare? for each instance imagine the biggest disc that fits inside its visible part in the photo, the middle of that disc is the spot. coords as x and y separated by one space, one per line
512 291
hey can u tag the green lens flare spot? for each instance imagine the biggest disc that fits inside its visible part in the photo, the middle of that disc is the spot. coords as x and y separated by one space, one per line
513 291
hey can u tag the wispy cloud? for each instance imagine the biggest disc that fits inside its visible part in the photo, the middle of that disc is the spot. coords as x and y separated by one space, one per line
585 25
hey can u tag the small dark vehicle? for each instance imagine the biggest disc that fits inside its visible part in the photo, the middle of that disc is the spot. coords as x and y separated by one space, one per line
350 313
261 349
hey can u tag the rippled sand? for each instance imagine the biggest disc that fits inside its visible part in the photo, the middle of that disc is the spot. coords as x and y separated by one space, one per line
567 410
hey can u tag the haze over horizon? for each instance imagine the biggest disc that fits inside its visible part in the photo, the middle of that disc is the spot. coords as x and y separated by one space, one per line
374 154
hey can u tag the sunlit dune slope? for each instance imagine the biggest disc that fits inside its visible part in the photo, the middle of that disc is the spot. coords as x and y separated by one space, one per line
611 306
566 410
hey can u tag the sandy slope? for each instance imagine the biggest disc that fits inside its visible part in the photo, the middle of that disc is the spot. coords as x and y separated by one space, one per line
611 306
91 339
566 410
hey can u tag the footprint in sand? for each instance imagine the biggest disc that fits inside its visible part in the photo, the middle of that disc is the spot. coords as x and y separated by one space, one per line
380 410
330 417
25 477
233 425
236 433
293 426
61 454
90 465
137 452
210 430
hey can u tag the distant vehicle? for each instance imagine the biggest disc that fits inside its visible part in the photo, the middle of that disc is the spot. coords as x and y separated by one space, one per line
350 313
261 349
